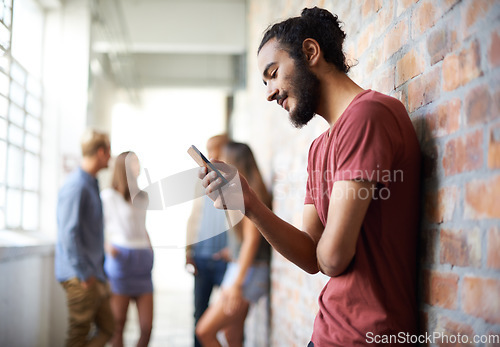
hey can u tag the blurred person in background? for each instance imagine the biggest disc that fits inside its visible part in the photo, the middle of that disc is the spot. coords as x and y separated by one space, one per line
247 275
206 252
129 255
79 254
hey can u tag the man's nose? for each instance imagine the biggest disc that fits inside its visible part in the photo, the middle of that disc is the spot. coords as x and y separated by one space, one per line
272 92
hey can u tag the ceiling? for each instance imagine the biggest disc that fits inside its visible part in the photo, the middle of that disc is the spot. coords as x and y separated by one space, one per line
182 43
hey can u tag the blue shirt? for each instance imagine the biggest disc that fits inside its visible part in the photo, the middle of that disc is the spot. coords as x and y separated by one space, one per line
211 232
80 242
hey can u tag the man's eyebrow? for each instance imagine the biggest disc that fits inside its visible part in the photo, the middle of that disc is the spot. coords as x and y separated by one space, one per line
266 71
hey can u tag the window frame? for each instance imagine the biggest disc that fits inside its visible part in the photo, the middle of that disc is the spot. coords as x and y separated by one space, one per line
21 92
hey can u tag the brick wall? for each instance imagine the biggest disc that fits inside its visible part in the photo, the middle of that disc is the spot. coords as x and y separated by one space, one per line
441 58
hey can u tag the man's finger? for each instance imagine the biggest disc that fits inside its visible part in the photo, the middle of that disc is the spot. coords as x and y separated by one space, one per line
202 172
209 179
214 185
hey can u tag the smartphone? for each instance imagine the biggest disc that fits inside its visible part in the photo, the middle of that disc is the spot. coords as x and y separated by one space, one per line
203 161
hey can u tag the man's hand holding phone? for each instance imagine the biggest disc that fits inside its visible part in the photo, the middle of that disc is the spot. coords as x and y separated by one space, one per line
221 181
226 192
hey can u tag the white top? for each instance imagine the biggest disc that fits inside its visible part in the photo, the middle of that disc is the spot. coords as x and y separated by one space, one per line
124 223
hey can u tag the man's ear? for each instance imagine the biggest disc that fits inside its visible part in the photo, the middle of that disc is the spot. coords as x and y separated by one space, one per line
101 151
311 50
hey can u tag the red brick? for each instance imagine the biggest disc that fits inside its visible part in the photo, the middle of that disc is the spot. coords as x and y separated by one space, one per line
460 248
451 75
423 89
440 43
460 69
481 198
403 97
494 147
384 83
445 120
370 7
450 329
403 5
440 289
449 3
365 39
385 18
373 60
494 51
470 63
463 153
478 105
423 18
475 11
395 39
309 3
480 298
440 205
411 65
493 248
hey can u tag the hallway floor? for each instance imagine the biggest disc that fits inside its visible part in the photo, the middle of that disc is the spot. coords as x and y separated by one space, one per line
172 320
173 303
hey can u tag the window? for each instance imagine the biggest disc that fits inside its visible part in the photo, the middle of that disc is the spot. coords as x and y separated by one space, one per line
20 133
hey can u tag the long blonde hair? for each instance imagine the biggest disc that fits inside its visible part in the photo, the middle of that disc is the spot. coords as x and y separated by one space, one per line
119 181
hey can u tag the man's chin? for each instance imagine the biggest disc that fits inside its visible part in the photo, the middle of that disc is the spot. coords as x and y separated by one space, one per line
300 122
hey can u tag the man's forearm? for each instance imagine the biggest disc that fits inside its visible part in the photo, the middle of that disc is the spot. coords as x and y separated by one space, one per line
294 244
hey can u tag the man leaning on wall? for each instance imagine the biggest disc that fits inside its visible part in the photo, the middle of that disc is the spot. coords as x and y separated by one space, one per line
360 216
79 255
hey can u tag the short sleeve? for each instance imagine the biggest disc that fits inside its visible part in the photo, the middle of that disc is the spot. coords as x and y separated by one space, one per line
309 198
365 144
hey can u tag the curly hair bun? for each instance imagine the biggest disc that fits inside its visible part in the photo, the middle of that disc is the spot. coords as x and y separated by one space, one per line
315 23
328 19
317 12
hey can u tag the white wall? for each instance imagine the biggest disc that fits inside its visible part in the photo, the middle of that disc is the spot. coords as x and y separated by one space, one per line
65 76
32 303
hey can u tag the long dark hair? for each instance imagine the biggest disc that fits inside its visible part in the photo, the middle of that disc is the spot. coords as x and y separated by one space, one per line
240 155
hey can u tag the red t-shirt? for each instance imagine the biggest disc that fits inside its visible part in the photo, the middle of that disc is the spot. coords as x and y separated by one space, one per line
373 140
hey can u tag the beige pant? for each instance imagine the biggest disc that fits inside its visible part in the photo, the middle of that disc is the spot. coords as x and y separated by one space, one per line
85 307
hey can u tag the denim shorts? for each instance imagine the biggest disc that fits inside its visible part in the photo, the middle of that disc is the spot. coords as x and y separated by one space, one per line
129 272
256 282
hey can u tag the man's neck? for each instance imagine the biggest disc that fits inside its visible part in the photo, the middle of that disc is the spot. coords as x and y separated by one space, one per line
337 92
89 165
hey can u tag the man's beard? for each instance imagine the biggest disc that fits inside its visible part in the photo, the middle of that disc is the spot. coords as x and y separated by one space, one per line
305 88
